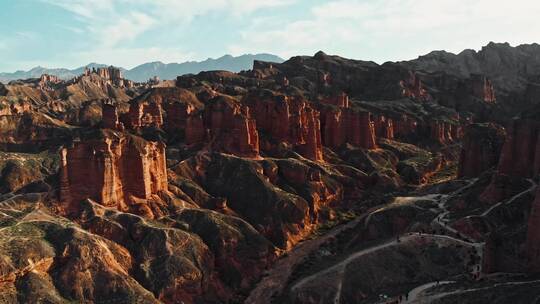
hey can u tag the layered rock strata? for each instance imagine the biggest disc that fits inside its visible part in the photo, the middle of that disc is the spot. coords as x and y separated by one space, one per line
288 119
115 170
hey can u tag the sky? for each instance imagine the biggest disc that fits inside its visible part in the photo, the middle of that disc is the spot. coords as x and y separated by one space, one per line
73 33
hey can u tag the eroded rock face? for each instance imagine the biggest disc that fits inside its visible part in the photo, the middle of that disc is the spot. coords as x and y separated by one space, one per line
145 113
112 74
54 263
384 127
116 170
520 158
481 149
14 108
47 82
412 87
110 116
482 88
288 119
284 198
441 131
520 155
231 128
404 126
340 100
347 125
31 131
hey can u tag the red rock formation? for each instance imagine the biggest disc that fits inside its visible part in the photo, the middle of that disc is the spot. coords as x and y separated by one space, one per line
195 131
413 88
520 155
404 126
114 169
520 158
231 128
384 127
340 100
441 131
481 148
145 113
46 82
110 75
289 119
312 148
482 88
110 72
348 125
325 79
177 114
110 116
14 108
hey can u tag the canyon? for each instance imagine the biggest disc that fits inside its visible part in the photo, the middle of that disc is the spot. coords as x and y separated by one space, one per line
303 181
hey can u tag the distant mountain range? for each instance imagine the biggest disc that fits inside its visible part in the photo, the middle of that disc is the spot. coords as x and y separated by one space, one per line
147 70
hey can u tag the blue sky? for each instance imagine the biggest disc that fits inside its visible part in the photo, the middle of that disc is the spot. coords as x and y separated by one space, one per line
72 33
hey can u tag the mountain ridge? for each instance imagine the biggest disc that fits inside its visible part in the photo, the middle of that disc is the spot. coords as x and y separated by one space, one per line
147 70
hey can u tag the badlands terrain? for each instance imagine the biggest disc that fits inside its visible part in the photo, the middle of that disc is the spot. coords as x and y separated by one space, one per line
320 179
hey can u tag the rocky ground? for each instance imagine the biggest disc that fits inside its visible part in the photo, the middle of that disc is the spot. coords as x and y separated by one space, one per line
316 180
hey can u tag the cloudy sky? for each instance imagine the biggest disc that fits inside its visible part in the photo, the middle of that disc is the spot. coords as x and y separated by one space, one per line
72 33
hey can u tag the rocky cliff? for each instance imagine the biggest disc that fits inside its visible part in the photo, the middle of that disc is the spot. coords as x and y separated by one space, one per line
481 149
230 127
115 170
287 119
521 152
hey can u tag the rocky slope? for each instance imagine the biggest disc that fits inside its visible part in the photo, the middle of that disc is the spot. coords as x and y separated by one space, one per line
227 187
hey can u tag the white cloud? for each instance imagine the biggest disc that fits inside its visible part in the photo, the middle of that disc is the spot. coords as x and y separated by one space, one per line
111 24
124 29
84 8
394 29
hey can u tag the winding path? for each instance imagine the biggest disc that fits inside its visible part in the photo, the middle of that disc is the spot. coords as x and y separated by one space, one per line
513 198
278 276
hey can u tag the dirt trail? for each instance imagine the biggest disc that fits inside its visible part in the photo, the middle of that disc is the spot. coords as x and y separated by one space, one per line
278 276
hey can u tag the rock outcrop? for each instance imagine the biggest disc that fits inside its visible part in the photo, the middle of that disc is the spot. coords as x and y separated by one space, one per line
110 118
47 82
441 131
112 74
115 170
340 124
347 125
230 127
481 149
520 155
404 126
481 87
340 100
144 113
288 119
412 87
384 127
520 158
281 198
